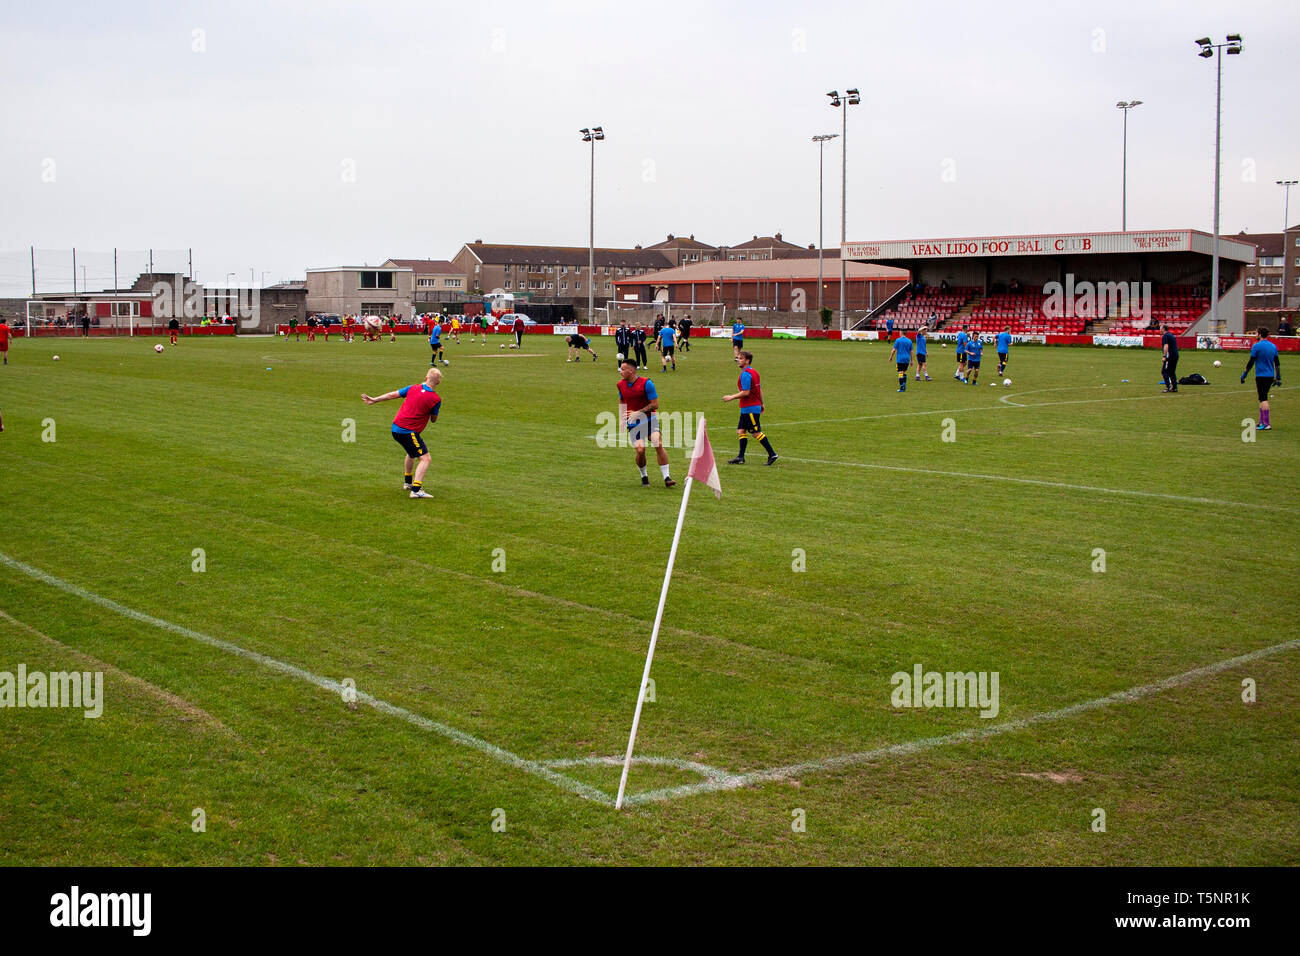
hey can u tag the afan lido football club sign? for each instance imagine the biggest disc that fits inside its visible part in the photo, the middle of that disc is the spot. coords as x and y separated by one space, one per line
1043 245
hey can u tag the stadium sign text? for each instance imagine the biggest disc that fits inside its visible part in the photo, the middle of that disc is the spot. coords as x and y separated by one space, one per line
1041 245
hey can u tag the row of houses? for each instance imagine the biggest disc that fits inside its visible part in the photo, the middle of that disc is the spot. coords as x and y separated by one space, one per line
554 273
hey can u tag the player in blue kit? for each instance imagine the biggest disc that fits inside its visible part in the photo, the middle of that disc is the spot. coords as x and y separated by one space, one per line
435 343
974 352
1268 372
667 347
737 336
962 339
901 355
1004 346
921 367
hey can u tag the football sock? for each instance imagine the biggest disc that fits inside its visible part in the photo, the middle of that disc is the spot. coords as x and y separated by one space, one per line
416 485
406 478
902 380
743 443
644 474
771 452
1263 415
663 470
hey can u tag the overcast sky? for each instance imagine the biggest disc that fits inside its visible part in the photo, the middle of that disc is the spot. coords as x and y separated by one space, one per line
276 136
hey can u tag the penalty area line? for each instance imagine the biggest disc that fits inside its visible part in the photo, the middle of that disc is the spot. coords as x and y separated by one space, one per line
460 737
775 774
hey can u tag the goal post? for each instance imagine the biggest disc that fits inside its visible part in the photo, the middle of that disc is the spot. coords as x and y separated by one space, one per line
67 317
701 313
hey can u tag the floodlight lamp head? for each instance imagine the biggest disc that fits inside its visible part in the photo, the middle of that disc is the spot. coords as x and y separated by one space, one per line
1204 41
1206 52
853 97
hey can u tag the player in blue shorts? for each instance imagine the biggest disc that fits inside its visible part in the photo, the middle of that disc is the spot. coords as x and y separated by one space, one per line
901 355
737 336
962 339
974 352
1003 346
1268 372
639 403
921 368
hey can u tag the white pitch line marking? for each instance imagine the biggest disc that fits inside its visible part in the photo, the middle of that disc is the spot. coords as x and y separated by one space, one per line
444 730
1049 484
773 774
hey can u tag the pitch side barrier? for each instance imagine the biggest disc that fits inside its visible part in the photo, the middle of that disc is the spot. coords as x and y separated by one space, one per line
74 331
1102 340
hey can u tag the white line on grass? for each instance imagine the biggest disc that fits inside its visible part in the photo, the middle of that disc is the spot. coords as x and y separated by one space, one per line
1003 404
773 774
1049 484
334 687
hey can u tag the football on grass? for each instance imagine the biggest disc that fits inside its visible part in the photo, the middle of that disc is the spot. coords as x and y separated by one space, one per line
1217 363
158 348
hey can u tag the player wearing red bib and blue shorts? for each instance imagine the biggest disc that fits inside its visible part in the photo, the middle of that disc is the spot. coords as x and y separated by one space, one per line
638 404
750 397
420 408
1268 372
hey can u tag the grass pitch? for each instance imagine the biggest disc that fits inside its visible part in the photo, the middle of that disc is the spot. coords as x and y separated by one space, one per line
503 690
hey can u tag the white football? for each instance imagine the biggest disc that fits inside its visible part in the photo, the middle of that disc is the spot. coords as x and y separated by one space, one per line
1006 382
1217 363
619 356
157 348
503 345
56 358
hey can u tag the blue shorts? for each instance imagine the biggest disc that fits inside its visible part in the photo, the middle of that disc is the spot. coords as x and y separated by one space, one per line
640 430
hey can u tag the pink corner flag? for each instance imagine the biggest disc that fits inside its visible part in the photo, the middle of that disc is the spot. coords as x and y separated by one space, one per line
703 467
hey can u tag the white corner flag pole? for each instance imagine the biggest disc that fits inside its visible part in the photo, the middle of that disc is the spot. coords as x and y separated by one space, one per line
654 635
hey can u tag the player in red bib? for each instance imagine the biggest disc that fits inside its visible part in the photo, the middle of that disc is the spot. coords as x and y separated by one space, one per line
750 397
4 341
638 405
420 408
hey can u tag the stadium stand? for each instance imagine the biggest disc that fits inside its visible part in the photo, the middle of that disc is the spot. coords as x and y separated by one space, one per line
1177 307
930 306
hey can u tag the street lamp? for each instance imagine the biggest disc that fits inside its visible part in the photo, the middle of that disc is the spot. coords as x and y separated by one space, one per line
1233 45
591 135
1286 185
850 98
821 141
1124 189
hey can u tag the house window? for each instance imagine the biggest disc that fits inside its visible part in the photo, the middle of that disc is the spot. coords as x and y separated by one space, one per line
564 286
550 285
606 286
577 287
507 283
1250 281
375 280
453 283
